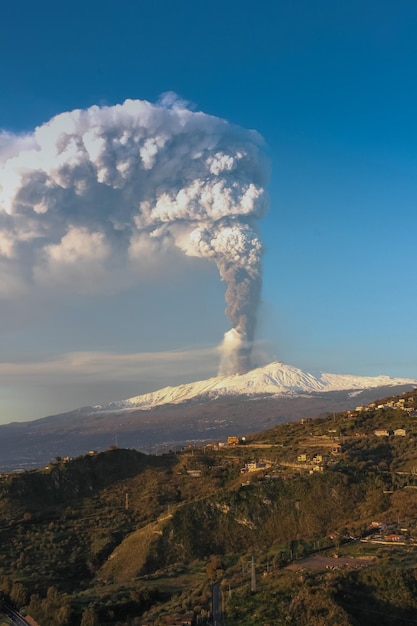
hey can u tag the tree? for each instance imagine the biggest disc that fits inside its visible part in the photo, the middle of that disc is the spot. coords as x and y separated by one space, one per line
89 617
63 615
34 608
18 595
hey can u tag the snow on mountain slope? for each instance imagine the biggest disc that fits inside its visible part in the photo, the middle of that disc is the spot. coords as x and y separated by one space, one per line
274 379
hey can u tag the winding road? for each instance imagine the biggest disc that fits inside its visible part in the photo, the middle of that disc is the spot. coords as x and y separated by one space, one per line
9 616
217 600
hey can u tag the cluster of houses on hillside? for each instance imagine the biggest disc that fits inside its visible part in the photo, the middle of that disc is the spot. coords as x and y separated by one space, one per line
388 533
405 404
317 462
386 432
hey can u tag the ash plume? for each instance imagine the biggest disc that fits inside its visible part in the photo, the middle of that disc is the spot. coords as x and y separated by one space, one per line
91 196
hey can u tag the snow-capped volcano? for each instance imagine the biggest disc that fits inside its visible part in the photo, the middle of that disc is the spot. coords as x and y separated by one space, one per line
275 379
174 416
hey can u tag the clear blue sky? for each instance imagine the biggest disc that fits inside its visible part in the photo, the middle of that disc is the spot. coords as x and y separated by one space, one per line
331 87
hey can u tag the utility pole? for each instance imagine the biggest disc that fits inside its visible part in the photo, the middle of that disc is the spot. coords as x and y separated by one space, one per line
253 576
127 501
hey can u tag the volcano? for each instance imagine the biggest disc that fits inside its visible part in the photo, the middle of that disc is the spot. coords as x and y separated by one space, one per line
193 413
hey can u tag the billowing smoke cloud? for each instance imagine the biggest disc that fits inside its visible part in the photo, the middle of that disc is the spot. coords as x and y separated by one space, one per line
91 195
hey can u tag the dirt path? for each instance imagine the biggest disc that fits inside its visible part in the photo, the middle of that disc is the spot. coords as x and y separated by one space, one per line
319 562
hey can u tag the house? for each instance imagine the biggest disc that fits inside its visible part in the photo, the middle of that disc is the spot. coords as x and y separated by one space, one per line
194 473
382 432
377 525
302 458
400 432
336 449
233 441
395 537
29 620
318 459
253 466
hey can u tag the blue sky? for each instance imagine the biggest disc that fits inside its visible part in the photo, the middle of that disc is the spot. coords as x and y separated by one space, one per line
331 87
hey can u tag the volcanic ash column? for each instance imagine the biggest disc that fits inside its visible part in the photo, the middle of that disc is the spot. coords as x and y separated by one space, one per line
242 299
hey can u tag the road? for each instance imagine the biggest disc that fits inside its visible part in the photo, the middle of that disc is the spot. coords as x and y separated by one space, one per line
217 599
12 616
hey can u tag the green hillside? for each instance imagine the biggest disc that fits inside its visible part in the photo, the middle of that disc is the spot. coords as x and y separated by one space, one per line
312 523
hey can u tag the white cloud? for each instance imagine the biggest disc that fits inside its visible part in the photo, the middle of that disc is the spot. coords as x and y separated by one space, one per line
123 174
77 367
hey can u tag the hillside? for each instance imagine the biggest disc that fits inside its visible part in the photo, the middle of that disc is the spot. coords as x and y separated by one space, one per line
123 538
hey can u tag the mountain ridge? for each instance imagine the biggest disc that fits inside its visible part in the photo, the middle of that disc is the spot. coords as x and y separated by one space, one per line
204 411
274 379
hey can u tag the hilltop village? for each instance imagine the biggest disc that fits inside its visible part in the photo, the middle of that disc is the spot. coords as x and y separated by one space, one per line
320 446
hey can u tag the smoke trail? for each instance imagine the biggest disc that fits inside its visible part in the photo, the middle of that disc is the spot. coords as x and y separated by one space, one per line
91 194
